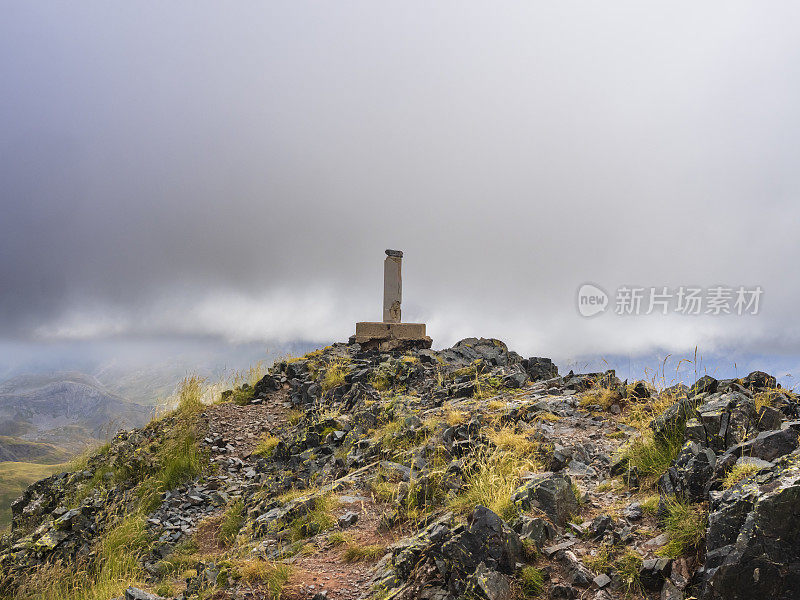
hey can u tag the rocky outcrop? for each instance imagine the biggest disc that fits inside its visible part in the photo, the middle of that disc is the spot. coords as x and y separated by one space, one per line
753 541
474 558
552 493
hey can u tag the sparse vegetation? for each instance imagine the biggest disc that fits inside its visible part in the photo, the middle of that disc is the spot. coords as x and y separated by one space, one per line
455 417
602 561
242 395
355 552
650 504
738 473
762 399
487 386
318 519
686 525
518 443
272 575
334 374
337 538
529 551
627 567
652 456
531 580
266 446
600 396
490 481
625 563
231 523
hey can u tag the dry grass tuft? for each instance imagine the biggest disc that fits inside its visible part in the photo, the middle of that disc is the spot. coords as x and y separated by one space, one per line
455 417
355 553
491 480
738 473
602 397
518 443
686 525
266 446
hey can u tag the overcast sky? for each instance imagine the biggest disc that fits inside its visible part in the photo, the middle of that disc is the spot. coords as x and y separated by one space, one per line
236 170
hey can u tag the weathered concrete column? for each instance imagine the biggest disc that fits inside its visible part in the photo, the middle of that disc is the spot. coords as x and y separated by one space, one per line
390 334
392 286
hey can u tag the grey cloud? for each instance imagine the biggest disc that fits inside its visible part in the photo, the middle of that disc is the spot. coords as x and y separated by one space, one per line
184 169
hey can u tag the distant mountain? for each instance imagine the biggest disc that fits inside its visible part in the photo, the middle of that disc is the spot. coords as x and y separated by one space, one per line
67 410
15 449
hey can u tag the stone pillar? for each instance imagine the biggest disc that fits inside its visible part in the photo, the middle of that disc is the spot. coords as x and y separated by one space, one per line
392 286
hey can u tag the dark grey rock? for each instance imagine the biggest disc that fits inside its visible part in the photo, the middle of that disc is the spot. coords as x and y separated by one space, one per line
633 512
563 592
515 379
601 581
770 445
639 391
705 385
133 593
551 492
578 573
653 572
347 519
537 530
551 550
540 368
670 592
689 473
759 379
490 584
753 538
675 417
769 418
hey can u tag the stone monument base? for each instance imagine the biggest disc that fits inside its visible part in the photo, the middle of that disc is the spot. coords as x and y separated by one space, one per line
390 336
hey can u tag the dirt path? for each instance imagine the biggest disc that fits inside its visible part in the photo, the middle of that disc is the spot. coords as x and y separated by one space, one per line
241 427
600 435
327 570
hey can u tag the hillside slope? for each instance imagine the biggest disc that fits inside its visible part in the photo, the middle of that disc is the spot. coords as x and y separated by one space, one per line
465 473
64 409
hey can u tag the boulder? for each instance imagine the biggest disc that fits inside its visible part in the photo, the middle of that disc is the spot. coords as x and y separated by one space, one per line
689 473
577 572
539 368
551 492
770 445
675 417
536 530
265 385
515 379
759 379
490 584
639 391
486 539
705 385
653 573
769 418
753 541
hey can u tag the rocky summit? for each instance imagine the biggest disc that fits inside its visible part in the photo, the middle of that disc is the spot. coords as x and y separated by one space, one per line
469 472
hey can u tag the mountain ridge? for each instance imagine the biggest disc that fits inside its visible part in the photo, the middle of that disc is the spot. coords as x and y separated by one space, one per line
469 472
